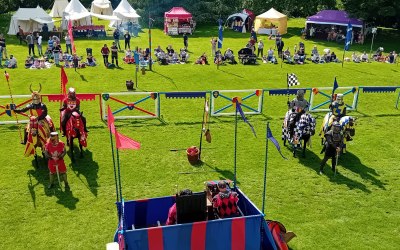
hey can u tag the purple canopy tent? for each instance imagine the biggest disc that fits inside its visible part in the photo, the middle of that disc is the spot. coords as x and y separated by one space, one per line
334 17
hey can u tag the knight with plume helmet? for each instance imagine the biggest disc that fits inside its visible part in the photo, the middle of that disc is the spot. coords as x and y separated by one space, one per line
39 110
71 104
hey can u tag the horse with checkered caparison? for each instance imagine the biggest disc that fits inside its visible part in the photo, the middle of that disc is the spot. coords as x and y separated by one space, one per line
297 129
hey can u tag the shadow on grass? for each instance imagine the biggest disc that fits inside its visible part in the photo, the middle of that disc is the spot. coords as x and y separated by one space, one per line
41 174
229 73
87 168
348 161
353 163
81 76
205 168
166 77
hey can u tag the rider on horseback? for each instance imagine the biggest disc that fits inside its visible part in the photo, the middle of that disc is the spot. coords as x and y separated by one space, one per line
299 105
338 108
332 147
71 104
38 109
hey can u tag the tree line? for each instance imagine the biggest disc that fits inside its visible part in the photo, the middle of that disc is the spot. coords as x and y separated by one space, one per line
381 12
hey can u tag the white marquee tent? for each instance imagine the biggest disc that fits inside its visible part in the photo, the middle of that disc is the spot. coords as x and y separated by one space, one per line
125 12
77 12
58 8
102 7
30 19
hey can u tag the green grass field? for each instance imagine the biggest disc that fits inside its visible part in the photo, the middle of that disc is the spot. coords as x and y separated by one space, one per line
357 209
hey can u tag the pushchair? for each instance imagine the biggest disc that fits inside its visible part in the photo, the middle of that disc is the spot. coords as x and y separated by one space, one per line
246 56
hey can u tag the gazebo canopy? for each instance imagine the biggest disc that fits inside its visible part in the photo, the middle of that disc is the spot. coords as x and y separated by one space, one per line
272 15
334 17
178 12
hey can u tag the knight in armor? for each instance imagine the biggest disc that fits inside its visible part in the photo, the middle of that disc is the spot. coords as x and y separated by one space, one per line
55 152
71 104
338 108
299 105
333 144
38 109
225 202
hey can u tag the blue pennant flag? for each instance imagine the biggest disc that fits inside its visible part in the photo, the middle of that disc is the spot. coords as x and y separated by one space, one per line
274 141
349 34
239 109
220 35
335 86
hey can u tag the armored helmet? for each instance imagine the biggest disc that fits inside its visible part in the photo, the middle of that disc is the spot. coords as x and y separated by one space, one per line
300 94
36 99
71 93
339 99
54 137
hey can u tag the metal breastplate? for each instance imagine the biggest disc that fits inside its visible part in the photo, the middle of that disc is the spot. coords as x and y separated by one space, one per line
336 138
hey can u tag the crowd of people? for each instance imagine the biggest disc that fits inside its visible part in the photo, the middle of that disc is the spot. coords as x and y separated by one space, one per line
333 33
54 54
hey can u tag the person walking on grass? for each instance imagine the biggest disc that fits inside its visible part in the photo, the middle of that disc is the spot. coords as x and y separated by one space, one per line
105 51
55 152
68 45
127 37
260 48
116 38
185 41
114 54
31 43
39 44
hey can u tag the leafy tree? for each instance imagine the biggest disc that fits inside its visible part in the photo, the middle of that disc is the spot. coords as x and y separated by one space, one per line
381 12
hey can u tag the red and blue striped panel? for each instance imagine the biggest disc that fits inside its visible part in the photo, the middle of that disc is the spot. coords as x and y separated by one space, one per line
241 233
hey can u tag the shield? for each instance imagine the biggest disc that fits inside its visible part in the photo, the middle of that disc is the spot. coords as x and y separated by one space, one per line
208 135
9 109
105 97
216 94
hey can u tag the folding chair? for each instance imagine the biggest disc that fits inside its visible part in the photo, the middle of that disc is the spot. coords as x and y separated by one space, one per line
191 208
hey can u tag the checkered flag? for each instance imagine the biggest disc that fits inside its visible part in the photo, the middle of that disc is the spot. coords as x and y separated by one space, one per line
292 80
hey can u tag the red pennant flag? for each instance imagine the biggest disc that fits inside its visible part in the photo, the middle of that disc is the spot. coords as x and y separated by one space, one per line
71 36
110 120
64 81
124 142
6 75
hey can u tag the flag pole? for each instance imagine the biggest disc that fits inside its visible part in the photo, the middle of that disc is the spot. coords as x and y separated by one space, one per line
344 52
265 171
12 101
235 147
115 170
119 175
202 124
119 172
287 88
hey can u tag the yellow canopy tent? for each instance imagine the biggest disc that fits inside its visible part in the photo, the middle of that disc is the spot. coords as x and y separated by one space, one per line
262 24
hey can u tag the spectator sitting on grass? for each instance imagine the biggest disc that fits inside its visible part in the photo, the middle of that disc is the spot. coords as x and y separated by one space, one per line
202 59
28 62
355 58
12 63
183 56
364 57
90 60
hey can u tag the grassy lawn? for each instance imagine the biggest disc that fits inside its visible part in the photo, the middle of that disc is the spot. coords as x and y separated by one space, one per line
358 209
